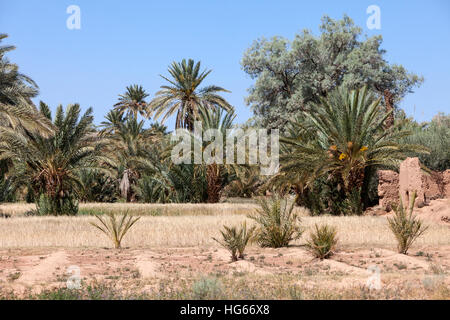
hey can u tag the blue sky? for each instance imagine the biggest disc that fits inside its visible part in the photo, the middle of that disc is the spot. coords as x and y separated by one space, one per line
126 42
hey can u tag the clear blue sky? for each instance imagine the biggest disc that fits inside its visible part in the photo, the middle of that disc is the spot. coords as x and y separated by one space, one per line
126 42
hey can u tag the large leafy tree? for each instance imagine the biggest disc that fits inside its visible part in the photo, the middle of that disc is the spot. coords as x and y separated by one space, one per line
132 102
339 139
50 166
290 74
184 96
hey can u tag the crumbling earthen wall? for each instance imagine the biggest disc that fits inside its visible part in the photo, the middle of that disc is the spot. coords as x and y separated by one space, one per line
409 179
387 188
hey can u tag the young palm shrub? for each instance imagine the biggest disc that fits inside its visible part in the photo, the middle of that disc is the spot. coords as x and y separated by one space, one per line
115 228
278 224
406 227
236 239
323 241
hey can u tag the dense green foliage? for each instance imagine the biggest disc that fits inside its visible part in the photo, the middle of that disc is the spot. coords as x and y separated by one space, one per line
338 140
50 166
435 135
332 96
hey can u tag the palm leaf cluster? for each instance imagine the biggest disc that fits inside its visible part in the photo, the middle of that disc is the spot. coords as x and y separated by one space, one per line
132 102
277 223
406 227
323 241
183 97
115 227
17 111
338 139
50 166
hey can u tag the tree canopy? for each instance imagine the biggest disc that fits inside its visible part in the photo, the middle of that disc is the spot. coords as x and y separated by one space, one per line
290 74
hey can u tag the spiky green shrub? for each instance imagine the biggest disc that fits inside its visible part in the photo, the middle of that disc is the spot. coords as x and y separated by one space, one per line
278 224
406 227
236 239
115 228
323 241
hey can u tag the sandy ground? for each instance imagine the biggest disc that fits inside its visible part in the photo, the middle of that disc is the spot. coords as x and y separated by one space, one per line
38 269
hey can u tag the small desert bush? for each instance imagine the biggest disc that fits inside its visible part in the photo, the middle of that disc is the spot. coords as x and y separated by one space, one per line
405 227
236 239
207 289
323 241
278 224
115 228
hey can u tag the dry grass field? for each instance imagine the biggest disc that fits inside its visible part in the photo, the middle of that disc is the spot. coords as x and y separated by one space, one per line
165 255
173 209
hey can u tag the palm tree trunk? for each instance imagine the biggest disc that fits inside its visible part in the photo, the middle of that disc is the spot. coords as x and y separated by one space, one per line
125 186
389 102
214 183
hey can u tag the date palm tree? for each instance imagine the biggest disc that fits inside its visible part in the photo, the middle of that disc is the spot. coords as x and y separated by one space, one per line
340 137
132 102
184 96
217 174
50 166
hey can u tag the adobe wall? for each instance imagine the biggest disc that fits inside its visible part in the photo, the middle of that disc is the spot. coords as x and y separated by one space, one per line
409 179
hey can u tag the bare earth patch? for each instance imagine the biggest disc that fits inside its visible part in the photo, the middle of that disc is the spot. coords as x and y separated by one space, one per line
163 256
147 269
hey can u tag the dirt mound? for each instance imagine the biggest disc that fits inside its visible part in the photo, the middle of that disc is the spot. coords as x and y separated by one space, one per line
245 266
45 270
147 266
437 211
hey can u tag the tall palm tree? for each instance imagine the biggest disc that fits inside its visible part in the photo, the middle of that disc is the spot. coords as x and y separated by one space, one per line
50 166
132 102
216 173
342 136
184 97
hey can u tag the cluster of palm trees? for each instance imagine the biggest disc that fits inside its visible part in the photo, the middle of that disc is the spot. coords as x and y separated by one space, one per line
59 160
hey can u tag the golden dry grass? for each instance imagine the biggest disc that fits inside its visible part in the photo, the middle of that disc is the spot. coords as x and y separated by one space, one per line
172 209
186 231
